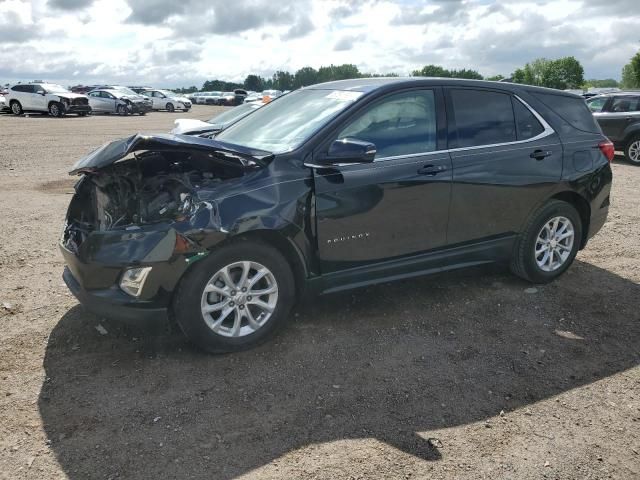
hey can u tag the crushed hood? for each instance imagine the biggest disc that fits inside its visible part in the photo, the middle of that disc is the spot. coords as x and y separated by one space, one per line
111 152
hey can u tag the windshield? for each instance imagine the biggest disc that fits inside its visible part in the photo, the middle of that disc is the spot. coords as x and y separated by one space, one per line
53 88
168 93
234 114
284 125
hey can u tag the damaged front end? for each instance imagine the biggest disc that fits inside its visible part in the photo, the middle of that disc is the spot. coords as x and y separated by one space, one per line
143 211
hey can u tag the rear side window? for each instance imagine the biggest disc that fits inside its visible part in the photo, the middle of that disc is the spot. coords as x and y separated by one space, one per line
527 124
572 110
23 88
482 117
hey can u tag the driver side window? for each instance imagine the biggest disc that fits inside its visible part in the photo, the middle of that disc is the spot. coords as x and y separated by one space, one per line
400 124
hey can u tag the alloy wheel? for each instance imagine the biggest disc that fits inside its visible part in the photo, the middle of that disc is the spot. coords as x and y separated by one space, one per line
554 244
54 109
239 299
15 108
634 151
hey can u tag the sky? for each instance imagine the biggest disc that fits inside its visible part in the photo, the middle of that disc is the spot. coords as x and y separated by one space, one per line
174 43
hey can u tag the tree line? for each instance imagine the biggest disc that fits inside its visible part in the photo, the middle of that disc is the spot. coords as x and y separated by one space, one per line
561 73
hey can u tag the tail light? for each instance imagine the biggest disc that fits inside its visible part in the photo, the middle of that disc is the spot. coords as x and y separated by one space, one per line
607 149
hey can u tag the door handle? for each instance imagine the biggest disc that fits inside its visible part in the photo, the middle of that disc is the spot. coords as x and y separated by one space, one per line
431 170
540 154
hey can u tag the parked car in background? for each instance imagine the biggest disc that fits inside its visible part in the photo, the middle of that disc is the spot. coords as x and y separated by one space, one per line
240 94
193 96
190 126
228 99
46 97
619 117
120 100
210 98
335 186
168 100
253 97
268 95
140 89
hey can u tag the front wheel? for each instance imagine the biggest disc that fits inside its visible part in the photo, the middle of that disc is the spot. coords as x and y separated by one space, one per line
632 150
56 109
549 243
122 110
170 107
235 298
16 108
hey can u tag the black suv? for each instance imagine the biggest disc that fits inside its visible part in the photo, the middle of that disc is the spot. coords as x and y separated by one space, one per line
334 186
619 116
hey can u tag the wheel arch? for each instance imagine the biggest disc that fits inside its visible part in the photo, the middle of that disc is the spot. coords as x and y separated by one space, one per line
632 131
582 206
285 246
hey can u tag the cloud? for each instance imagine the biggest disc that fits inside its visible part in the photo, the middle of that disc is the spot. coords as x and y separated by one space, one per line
184 42
438 11
70 5
347 42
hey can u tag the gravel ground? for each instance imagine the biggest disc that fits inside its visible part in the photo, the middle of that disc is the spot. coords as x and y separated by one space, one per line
470 375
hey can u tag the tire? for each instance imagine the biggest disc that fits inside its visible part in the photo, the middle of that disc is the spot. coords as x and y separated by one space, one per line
142 114
56 110
632 150
231 335
122 110
525 262
16 108
170 108
82 114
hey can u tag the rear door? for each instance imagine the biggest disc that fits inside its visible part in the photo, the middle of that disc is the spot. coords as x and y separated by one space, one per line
399 204
505 158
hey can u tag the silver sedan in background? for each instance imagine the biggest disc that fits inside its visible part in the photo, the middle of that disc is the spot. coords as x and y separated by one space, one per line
120 100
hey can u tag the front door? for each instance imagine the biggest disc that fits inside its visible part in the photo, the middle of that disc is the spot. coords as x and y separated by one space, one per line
396 206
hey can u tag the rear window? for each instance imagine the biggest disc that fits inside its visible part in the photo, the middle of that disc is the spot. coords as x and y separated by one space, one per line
572 110
482 117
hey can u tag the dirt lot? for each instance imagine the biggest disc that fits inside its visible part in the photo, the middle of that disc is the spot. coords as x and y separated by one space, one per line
469 375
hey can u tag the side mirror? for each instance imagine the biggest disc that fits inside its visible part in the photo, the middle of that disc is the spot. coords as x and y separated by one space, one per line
350 150
41 92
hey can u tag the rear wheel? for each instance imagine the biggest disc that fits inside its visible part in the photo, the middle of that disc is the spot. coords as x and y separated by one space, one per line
549 243
16 108
632 150
170 107
235 298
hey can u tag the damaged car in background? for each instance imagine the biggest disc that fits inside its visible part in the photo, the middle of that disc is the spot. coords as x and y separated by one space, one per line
119 100
192 126
331 187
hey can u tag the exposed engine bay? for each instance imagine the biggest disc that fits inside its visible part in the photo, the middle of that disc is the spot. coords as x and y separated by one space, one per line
148 187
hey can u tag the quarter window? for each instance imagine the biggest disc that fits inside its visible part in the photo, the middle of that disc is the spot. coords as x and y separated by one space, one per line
527 124
401 124
482 117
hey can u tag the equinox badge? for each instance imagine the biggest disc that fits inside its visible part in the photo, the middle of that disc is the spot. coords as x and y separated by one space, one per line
355 236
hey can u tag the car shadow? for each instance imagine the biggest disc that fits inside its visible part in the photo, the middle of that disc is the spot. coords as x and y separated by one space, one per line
389 362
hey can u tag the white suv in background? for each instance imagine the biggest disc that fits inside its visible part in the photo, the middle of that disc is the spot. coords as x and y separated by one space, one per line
46 97
167 100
